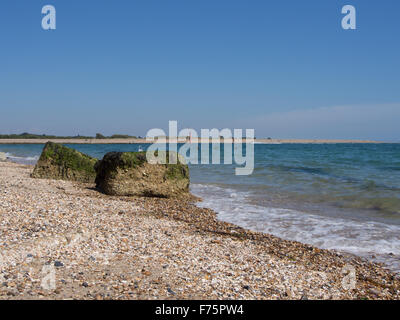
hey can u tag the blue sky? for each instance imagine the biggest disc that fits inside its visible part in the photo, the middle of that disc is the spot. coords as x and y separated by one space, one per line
285 68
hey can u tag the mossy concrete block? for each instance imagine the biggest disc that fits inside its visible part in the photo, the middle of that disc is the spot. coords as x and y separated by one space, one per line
130 174
62 163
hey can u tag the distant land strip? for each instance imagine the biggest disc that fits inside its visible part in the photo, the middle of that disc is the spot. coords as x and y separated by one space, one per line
179 140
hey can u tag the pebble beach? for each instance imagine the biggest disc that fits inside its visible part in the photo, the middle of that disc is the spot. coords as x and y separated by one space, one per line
66 240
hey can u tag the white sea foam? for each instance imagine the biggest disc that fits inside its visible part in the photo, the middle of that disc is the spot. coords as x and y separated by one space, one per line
22 160
377 241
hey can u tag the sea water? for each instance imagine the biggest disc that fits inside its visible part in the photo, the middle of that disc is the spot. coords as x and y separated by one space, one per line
333 196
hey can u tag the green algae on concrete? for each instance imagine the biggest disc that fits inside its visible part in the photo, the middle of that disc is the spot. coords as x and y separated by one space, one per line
130 174
62 163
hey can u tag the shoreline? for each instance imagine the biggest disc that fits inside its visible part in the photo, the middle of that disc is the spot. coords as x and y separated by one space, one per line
144 141
147 248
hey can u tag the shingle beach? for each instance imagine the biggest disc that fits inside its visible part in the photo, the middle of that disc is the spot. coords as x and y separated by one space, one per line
65 240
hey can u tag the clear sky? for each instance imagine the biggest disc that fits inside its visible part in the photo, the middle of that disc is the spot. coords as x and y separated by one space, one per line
285 68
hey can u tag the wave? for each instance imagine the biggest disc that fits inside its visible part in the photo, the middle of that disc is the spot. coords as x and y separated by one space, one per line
373 240
21 159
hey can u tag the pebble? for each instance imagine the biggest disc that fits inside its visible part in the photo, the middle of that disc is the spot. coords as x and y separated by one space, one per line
170 291
156 244
58 264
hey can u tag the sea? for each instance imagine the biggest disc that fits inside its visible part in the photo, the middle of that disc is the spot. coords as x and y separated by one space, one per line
344 197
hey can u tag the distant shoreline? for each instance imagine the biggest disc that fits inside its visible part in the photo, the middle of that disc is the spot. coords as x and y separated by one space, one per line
143 141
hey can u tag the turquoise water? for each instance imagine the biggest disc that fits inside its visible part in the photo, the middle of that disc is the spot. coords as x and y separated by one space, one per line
335 196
